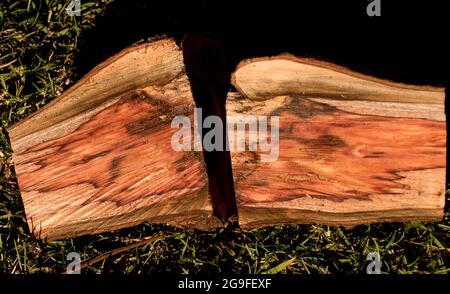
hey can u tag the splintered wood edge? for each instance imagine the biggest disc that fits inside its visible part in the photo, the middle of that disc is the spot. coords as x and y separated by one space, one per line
74 100
404 93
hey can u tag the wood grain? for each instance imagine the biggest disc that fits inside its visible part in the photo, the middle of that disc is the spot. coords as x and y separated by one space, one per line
99 157
353 149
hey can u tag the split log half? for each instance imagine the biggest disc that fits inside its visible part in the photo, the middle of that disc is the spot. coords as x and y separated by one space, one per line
99 157
352 149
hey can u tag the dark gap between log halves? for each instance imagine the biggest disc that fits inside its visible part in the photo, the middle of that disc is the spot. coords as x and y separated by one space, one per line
209 76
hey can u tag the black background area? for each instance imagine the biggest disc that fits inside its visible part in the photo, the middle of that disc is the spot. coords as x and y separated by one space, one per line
407 43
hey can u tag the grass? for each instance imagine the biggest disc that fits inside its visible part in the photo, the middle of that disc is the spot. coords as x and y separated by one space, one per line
39 44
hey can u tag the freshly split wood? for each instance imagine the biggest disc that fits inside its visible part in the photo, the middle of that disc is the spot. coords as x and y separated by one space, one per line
352 149
99 158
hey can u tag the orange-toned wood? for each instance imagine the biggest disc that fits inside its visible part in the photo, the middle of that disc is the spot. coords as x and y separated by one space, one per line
353 149
99 157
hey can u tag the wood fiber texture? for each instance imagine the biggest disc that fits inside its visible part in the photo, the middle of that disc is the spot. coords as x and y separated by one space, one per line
99 157
352 149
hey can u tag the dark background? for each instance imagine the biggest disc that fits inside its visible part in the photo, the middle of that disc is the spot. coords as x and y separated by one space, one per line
407 43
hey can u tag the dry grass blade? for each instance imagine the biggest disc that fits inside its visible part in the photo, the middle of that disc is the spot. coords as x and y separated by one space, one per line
119 250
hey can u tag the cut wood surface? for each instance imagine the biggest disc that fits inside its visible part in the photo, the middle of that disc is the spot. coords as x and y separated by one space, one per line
353 149
99 158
